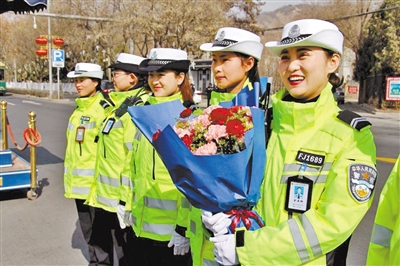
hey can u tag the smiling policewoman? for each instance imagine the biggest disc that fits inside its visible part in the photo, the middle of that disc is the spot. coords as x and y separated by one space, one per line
316 148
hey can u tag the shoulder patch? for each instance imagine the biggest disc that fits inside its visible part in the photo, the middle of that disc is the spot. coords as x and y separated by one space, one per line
362 180
353 119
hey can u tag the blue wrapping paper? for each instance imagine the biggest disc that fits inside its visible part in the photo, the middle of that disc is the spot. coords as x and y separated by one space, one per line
248 97
210 182
150 118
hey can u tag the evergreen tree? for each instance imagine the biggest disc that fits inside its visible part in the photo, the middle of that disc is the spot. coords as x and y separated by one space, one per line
379 54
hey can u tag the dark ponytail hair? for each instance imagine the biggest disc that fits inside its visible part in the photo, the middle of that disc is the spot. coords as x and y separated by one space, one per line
253 72
333 79
98 86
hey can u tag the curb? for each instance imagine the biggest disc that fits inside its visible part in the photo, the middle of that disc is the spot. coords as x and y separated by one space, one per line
366 107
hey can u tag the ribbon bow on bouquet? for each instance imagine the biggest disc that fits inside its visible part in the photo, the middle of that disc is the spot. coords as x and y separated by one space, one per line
249 219
226 174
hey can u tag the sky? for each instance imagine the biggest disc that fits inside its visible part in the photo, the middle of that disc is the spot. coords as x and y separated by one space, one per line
271 5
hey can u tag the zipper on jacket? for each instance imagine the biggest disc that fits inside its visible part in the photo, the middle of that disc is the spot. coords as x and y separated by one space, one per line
154 164
80 148
104 148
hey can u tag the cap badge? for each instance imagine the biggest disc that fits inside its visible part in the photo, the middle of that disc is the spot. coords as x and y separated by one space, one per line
221 36
294 36
294 32
153 55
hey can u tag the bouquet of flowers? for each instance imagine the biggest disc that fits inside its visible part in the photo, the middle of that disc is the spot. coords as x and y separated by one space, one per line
215 130
215 157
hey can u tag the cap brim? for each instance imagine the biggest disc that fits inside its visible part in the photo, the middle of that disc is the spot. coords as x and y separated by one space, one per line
328 39
250 48
89 74
181 65
129 68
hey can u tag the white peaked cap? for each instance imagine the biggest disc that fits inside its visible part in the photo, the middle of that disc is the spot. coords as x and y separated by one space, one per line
309 32
86 70
230 39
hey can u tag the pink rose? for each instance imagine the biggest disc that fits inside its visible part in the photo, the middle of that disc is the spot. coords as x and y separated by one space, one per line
208 149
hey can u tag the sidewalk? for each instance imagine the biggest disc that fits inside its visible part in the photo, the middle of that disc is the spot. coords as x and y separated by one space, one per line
370 109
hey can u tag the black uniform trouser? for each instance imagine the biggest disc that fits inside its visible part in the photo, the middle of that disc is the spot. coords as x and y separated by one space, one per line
338 256
149 252
86 217
107 235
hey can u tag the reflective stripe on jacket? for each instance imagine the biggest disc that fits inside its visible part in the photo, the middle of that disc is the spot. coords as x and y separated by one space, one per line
158 207
80 157
384 248
335 211
113 181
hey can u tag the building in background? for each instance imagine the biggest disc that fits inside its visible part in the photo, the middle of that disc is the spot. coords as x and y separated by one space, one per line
200 71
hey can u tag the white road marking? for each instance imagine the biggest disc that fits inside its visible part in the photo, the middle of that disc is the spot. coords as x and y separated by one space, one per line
8 103
32 102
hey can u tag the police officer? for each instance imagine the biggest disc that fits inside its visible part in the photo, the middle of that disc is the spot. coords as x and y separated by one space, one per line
111 192
235 54
159 210
329 153
79 161
384 248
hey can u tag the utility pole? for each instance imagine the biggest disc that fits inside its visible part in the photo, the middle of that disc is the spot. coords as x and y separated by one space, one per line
49 52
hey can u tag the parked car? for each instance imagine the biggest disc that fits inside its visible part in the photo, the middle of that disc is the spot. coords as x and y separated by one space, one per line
197 96
339 95
107 85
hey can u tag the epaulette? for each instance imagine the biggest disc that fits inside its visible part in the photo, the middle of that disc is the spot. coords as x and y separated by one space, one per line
130 101
104 104
353 119
108 99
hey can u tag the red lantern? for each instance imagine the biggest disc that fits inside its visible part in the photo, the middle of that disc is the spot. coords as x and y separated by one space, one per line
41 41
41 52
58 42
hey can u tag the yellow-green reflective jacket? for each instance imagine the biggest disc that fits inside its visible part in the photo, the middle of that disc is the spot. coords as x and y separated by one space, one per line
80 157
337 157
217 97
384 248
115 140
158 206
202 249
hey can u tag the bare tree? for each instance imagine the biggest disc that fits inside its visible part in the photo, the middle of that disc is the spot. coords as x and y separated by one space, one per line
135 26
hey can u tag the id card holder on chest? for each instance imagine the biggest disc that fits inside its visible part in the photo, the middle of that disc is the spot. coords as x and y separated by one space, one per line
108 126
80 133
298 194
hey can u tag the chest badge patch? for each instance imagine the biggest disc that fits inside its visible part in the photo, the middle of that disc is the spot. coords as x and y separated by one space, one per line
362 180
310 158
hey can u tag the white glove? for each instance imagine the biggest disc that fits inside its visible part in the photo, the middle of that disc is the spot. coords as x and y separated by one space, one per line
128 219
121 215
225 249
180 243
216 223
